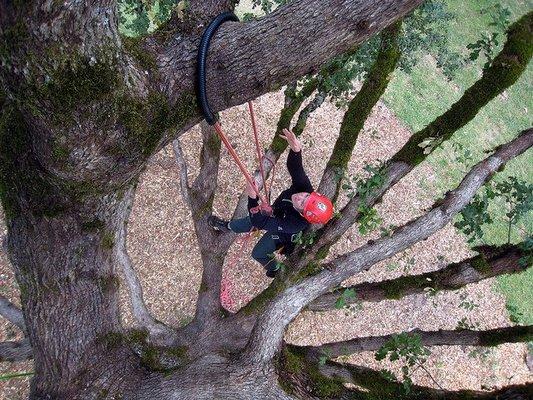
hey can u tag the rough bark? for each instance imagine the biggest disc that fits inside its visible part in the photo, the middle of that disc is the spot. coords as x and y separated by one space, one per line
12 313
16 351
182 165
491 261
247 60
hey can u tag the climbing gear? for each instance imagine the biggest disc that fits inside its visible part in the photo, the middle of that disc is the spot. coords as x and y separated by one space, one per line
212 119
218 224
318 209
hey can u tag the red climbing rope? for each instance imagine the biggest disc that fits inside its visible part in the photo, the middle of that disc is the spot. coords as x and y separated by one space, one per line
258 148
265 204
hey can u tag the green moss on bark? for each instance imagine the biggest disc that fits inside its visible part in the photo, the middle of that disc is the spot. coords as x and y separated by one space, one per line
395 289
295 364
76 83
93 225
480 264
108 283
259 301
495 337
20 175
145 59
147 120
155 358
11 39
362 104
108 240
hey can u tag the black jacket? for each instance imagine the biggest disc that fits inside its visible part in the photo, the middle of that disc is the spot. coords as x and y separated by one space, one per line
286 221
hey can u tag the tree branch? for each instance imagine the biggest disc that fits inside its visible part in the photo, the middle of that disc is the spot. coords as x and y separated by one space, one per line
268 331
306 374
182 164
250 59
213 245
491 337
319 99
380 387
359 109
16 351
12 313
491 261
159 332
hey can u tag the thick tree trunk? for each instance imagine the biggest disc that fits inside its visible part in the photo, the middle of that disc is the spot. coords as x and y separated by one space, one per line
66 268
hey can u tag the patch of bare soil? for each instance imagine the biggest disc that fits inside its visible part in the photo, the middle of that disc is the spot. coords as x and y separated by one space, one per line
163 248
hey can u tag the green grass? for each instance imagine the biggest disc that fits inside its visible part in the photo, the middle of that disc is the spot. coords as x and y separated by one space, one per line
425 93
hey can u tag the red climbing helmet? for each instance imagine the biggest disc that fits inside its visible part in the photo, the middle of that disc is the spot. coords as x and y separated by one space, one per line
318 209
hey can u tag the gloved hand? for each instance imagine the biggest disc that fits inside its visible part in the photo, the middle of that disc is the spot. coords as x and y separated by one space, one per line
291 138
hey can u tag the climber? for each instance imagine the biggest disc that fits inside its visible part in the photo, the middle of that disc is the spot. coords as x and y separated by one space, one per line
293 211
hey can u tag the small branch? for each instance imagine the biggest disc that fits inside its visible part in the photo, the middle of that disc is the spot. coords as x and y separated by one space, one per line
420 365
12 313
491 337
159 332
310 108
16 351
182 164
491 261
268 331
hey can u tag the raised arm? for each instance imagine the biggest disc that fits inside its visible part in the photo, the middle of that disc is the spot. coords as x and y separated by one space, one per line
300 180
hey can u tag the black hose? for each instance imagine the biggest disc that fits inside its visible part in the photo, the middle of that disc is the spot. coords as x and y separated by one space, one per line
201 61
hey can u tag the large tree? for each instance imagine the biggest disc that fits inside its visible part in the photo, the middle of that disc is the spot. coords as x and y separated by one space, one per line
82 111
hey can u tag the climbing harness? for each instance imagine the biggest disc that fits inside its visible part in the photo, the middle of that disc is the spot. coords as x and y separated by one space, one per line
212 119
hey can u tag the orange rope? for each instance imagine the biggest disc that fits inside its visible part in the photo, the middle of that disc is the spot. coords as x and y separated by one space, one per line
258 148
241 166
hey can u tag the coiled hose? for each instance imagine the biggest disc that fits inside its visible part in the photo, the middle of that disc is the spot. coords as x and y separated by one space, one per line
201 84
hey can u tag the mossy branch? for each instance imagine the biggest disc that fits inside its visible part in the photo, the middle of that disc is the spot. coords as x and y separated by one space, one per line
505 70
490 337
359 109
378 387
491 261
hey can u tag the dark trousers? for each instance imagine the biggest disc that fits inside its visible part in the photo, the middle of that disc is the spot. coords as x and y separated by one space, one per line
264 249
